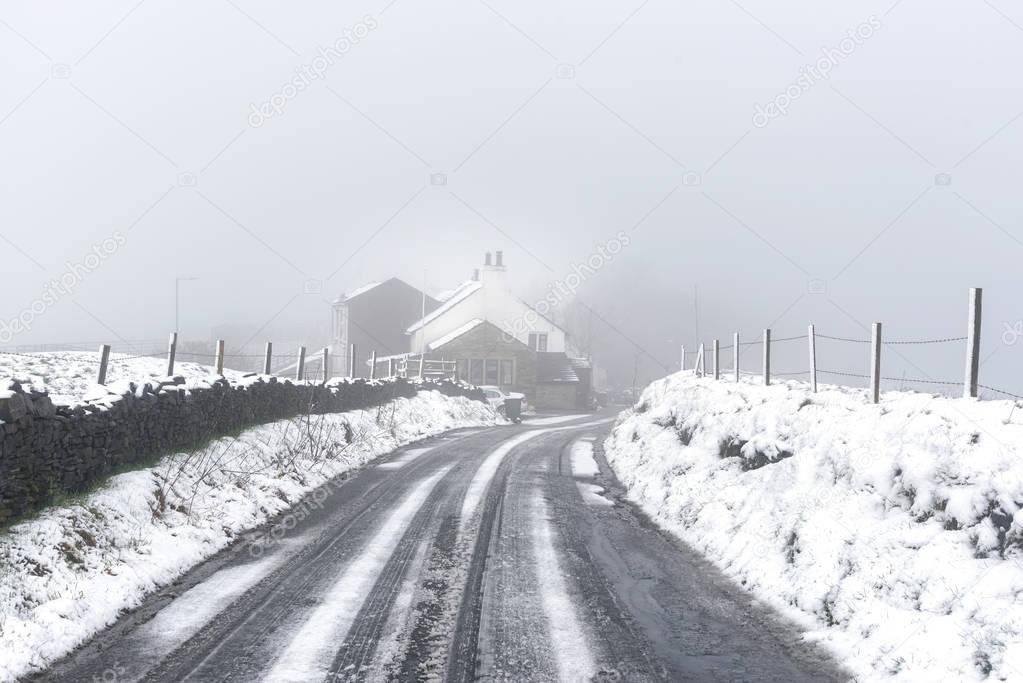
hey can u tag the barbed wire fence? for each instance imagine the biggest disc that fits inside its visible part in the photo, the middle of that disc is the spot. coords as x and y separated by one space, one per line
970 385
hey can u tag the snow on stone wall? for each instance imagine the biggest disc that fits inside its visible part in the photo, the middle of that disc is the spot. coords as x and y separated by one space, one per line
47 449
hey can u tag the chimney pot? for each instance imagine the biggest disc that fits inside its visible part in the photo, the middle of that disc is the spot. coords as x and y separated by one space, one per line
500 258
486 260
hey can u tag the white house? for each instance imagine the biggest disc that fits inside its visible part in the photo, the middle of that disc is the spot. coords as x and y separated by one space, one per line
487 298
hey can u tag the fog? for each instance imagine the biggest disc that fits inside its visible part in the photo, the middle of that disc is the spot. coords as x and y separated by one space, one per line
885 190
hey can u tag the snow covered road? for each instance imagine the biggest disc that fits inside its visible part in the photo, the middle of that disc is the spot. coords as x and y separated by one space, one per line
477 556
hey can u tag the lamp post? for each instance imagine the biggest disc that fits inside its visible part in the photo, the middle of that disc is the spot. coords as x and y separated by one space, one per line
177 299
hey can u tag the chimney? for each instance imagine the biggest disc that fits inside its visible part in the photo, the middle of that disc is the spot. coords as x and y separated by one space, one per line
486 261
476 275
500 259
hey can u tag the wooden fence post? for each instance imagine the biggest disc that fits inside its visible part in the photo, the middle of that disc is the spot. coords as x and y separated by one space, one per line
422 365
220 357
373 365
269 357
735 355
972 381
172 352
767 358
812 337
717 358
875 362
104 361
326 364
300 370
351 360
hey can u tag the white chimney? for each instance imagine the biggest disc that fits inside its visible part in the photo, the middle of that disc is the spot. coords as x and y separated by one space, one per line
492 274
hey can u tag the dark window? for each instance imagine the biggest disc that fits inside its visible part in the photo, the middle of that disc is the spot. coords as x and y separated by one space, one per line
476 371
507 372
462 369
538 341
492 371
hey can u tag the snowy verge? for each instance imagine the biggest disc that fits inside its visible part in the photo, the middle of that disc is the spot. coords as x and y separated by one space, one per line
73 570
890 533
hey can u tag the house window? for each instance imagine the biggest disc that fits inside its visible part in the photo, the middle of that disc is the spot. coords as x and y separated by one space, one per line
462 369
493 366
538 341
476 371
507 372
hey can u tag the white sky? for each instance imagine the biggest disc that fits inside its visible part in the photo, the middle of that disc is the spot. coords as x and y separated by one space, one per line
105 105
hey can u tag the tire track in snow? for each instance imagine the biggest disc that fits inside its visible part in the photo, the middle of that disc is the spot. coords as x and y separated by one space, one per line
311 650
485 474
572 652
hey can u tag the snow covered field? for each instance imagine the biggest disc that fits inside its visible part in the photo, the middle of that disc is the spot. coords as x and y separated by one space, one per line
70 375
72 570
891 533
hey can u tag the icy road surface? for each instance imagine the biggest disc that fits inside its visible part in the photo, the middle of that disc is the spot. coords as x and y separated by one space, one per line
505 554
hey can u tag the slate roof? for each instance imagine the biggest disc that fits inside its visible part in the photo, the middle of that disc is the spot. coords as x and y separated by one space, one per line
453 335
464 292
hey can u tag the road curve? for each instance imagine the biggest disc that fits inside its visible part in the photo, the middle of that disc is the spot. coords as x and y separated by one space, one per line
501 554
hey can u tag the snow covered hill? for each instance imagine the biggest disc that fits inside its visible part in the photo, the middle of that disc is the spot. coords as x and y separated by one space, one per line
73 569
69 376
892 533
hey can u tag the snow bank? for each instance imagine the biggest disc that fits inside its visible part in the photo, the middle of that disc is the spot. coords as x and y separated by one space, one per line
891 533
73 570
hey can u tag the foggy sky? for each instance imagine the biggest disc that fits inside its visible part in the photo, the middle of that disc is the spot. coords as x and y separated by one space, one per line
556 126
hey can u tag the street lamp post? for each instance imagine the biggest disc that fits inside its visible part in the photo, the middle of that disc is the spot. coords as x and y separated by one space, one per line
177 299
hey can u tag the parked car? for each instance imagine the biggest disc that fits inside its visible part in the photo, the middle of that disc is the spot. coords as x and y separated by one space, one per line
496 397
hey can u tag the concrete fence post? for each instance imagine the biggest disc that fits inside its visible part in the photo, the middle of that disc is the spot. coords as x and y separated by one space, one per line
735 356
267 361
972 381
390 367
373 365
300 369
701 364
220 357
422 365
767 358
682 358
717 359
351 360
812 339
172 352
104 361
875 362
326 364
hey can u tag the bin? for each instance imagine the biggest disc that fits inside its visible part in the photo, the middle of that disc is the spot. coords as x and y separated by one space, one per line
513 409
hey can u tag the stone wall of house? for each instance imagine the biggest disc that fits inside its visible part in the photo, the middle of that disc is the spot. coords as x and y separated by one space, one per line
48 450
487 341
